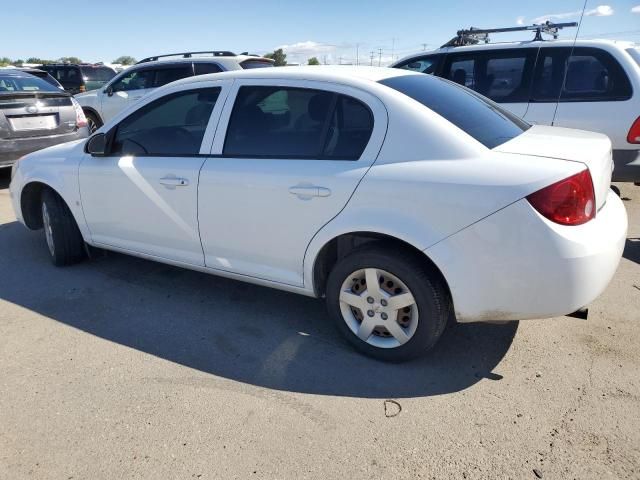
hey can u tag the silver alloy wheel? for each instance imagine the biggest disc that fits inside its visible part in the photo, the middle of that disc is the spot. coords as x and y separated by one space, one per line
48 232
378 308
92 125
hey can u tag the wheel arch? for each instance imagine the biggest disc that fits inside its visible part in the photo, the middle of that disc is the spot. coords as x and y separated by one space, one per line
94 112
341 245
30 203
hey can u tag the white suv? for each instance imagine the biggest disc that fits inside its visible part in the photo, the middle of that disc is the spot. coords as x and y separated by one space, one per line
150 73
601 91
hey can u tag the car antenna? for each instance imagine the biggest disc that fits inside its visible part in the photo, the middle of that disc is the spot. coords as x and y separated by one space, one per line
473 36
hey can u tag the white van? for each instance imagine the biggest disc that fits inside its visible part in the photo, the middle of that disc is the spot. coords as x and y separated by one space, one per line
601 90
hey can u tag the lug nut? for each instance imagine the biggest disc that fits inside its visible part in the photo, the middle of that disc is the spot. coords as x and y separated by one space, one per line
370 313
369 299
383 302
384 316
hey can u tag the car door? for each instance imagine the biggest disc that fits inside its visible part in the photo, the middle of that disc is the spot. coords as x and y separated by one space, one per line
287 160
141 196
503 75
130 86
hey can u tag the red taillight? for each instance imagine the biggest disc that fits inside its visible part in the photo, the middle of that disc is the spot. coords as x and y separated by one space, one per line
81 120
569 202
634 132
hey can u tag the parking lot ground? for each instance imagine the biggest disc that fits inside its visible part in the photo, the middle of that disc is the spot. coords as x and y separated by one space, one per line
123 368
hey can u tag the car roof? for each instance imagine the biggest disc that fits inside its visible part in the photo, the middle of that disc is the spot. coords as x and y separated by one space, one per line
348 74
200 59
523 44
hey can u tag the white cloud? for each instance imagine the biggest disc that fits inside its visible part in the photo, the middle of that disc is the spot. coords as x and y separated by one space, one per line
301 51
599 11
635 9
520 20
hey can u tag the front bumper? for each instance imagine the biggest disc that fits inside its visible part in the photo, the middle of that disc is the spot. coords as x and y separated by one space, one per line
517 265
12 149
626 166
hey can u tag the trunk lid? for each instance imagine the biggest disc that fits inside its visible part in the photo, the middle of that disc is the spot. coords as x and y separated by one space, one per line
591 149
24 115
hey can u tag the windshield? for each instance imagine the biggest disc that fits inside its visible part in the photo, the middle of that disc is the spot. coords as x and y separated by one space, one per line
478 116
23 82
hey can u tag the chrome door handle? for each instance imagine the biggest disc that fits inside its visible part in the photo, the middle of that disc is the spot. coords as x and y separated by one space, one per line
174 182
309 191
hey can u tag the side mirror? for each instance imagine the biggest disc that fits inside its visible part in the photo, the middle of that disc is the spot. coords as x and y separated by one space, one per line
109 91
96 145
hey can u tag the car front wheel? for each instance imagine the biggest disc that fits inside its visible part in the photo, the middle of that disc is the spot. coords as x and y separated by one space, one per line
389 304
64 240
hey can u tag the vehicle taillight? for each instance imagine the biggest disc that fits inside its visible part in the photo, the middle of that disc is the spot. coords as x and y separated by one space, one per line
569 202
81 120
634 132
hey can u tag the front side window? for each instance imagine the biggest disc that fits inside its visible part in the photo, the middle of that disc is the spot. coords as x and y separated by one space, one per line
287 122
204 68
137 80
171 125
427 64
591 75
479 117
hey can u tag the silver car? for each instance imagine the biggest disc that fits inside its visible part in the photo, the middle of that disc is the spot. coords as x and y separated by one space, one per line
35 114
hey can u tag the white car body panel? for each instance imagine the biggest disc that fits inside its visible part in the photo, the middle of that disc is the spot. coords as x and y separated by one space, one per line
421 180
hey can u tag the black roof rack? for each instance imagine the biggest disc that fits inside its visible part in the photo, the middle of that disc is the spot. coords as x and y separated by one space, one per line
214 53
473 35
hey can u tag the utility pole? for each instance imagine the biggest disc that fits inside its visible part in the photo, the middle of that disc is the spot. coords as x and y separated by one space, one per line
325 59
340 60
371 57
357 54
393 47
380 57
424 46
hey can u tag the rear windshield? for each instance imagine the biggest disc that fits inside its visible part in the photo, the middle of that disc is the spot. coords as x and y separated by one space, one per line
478 116
12 83
97 74
256 64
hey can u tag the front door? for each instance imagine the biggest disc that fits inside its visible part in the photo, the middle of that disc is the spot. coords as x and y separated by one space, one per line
288 162
142 196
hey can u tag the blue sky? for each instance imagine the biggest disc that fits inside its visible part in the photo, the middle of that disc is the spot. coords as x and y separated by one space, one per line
331 29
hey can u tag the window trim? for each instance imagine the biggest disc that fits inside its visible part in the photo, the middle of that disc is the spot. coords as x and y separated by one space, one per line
325 128
113 131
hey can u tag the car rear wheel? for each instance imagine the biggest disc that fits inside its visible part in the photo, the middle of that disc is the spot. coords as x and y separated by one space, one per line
391 306
63 237
93 122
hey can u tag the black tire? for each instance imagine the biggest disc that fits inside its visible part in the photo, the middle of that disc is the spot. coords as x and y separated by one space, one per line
431 298
93 122
67 243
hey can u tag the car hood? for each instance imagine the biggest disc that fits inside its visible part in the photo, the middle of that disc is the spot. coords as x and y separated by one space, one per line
57 152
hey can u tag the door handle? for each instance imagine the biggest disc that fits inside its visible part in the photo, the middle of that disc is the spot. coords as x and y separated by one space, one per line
309 191
174 182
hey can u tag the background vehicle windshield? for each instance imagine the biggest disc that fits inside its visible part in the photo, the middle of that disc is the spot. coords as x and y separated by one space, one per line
12 83
478 116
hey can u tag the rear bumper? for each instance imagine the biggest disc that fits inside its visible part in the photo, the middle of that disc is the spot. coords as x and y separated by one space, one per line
12 149
517 265
627 166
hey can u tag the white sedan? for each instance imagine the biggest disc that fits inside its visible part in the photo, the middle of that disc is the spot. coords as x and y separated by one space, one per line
402 198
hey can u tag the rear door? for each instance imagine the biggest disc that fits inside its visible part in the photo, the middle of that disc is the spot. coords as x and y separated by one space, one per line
503 75
287 162
131 85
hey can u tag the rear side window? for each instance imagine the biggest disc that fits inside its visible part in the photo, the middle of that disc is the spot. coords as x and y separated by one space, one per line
427 64
169 126
97 74
591 75
171 74
502 75
483 119
204 68
282 122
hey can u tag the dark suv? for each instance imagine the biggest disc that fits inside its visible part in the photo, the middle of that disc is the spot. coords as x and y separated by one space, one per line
80 78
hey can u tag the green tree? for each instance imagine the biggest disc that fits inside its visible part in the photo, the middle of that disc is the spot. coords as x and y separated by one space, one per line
69 60
4 61
17 63
279 56
125 60
38 60
313 61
